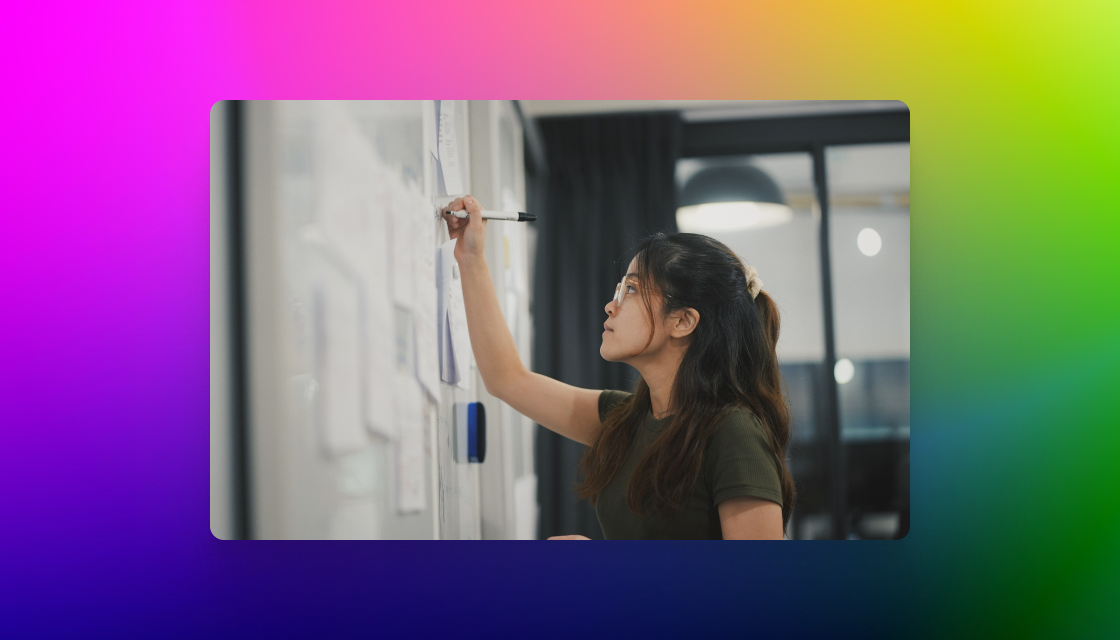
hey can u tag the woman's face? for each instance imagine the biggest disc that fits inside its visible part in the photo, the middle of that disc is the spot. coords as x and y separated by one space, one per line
626 331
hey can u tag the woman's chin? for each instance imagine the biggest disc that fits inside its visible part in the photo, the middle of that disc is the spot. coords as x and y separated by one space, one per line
603 351
611 355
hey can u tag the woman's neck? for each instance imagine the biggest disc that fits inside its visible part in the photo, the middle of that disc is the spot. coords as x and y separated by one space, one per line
659 377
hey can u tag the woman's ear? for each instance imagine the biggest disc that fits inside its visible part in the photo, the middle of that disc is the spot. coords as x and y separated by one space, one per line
684 322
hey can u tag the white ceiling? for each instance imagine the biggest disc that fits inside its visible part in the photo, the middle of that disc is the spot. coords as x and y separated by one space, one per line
697 110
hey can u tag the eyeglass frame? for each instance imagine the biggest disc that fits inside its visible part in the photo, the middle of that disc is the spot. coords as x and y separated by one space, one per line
618 289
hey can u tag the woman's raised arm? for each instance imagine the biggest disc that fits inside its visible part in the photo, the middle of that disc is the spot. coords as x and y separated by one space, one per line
570 411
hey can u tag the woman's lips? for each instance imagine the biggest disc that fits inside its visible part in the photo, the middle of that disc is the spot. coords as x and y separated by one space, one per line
606 328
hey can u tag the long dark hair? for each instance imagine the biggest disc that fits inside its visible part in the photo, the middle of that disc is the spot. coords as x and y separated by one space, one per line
730 363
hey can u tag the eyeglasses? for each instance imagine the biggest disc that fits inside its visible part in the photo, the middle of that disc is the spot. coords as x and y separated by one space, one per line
623 288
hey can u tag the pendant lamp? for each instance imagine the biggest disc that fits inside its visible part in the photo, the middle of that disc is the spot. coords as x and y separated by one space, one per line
731 198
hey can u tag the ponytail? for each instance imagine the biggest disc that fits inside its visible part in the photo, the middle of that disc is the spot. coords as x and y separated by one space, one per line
777 421
771 323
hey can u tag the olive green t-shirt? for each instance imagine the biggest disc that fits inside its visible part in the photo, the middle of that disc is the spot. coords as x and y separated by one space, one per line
737 462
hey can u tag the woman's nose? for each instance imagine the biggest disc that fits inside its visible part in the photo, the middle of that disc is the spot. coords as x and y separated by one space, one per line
610 308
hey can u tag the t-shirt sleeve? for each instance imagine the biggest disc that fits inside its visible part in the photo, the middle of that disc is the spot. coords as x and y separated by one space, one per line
739 462
609 400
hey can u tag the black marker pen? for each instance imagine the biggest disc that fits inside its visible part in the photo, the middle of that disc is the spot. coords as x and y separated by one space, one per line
515 216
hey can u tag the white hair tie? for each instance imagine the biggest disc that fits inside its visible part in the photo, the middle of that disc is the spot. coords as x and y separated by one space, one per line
754 285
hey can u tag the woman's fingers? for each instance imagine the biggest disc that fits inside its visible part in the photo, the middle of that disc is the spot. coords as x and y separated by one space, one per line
474 208
457 226
454 223
471 204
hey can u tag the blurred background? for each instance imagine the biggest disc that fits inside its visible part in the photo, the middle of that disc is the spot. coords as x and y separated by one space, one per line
814 194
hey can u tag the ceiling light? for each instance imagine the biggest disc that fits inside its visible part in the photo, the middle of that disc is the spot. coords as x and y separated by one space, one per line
869 242
731 198
844 371
731 216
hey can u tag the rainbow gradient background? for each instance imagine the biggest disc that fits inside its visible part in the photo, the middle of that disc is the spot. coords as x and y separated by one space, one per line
104 362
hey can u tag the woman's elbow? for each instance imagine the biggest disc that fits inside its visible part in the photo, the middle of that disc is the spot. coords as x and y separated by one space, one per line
502 384
493 388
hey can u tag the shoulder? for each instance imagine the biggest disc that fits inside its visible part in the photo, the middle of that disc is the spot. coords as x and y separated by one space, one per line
739 438
739 426
609 399
739 461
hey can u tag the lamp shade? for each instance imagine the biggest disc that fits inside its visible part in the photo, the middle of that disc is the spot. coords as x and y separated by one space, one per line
731 198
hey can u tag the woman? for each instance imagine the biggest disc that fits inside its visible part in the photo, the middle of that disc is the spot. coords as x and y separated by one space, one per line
698 450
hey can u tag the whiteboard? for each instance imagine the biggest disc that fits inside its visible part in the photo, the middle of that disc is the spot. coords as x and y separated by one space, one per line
349 436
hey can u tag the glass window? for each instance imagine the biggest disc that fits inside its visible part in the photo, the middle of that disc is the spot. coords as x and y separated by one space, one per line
869 196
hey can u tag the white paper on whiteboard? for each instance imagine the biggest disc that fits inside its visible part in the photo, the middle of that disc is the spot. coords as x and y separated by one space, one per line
411 493
431 141
355 519
455 339
515 245
404 227
358 475
449 147
379 347
525 510
381 358
426 300
356 197
346 173
444 259
449 373
460 336
338 373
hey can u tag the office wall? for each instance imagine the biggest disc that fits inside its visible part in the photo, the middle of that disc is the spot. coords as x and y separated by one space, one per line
340 201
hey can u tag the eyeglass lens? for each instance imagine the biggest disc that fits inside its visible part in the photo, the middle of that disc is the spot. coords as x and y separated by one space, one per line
620 293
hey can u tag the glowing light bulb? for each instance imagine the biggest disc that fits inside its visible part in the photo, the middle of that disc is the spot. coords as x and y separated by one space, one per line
869 242
844 371
731 216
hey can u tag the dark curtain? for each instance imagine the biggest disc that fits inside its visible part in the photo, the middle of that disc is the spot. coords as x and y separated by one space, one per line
609 182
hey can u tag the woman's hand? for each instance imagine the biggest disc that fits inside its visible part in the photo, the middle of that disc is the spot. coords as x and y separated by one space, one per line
470 232
569 538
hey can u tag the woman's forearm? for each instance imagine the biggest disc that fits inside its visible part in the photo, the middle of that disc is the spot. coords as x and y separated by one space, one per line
567 410
494 350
